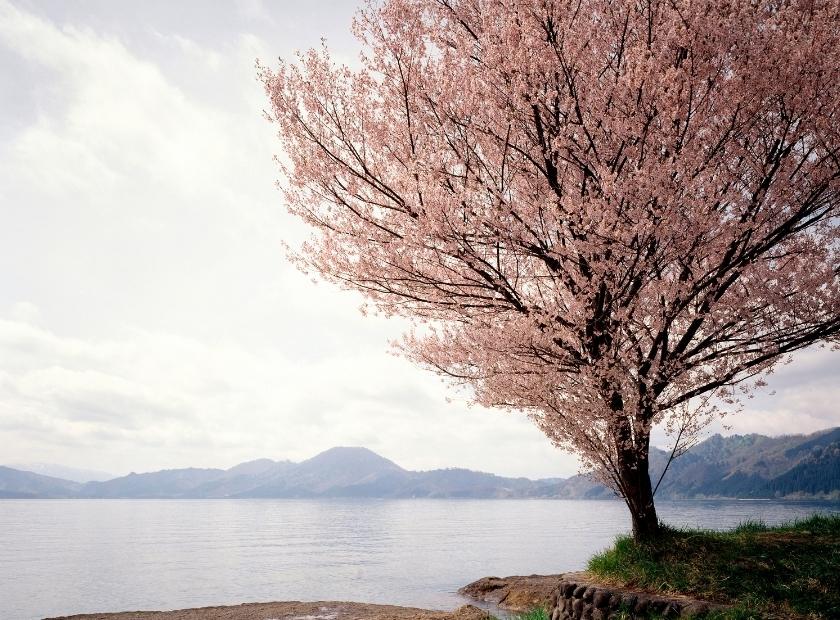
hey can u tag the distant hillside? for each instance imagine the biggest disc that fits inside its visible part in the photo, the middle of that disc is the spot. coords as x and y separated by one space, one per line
742 466
15 483
169 483
333 473
816 474
746 466
755 466
65 473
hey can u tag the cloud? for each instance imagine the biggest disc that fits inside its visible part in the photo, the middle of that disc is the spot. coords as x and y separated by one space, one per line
801 397
158 400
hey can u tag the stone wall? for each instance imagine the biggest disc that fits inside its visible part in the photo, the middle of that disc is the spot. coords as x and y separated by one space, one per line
579 598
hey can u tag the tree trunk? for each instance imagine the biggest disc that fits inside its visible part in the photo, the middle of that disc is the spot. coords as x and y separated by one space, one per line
642 509
634 472
639 499
633 450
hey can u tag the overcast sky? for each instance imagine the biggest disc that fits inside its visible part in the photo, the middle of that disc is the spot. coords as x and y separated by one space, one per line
148 318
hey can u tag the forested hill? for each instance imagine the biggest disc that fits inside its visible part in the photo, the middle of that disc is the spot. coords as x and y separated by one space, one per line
752 466
743 466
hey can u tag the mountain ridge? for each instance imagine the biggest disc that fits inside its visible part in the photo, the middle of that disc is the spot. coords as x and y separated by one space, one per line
739 466
63 472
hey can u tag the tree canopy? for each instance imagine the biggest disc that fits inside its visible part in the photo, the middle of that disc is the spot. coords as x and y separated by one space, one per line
608 213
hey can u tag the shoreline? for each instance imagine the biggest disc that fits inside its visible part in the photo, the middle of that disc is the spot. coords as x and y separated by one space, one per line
489 595
291 610
492 597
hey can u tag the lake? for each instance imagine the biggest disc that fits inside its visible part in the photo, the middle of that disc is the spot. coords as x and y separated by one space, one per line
72 556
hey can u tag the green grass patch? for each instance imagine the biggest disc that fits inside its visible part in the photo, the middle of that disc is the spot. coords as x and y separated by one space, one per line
538 613
788 571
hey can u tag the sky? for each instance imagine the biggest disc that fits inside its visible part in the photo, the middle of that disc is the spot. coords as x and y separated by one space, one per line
149 318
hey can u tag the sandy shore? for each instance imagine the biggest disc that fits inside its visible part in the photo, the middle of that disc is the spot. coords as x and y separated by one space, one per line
293 610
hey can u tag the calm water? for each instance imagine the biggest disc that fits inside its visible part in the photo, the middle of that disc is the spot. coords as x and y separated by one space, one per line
73 556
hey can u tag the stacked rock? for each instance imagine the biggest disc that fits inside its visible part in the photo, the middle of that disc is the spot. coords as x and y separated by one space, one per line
575 599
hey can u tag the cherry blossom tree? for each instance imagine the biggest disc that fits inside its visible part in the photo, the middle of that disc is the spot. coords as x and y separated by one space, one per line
606 214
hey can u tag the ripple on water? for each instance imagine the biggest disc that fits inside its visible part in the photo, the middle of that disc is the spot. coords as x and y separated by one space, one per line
74 556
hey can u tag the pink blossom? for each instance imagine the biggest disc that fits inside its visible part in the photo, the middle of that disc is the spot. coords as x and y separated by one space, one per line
610 211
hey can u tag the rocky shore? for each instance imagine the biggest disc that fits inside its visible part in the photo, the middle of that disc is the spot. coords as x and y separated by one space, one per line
576 596
516 593
569 596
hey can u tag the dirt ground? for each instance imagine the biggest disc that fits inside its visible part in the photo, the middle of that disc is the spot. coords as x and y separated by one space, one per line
293 610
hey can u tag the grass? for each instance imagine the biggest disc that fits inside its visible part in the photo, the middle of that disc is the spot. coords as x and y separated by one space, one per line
788 571
538 613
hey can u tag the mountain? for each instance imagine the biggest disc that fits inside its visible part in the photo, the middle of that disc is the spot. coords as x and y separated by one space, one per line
465 483
65 473
741 466
756 466
338 472
169 483
816 474
747 466
24 484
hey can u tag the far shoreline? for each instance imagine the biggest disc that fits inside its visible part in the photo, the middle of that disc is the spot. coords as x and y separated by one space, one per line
786 499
